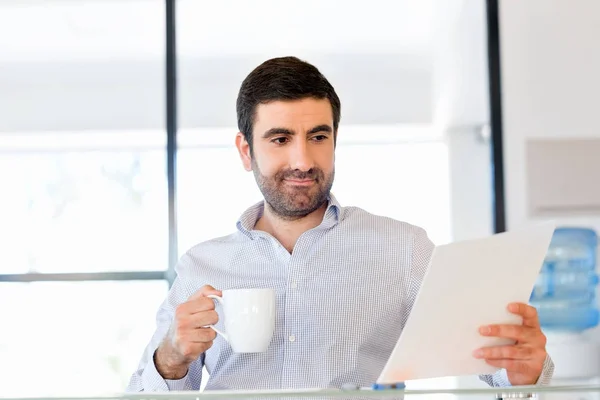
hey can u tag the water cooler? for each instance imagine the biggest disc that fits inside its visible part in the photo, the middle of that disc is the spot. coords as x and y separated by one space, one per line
566 300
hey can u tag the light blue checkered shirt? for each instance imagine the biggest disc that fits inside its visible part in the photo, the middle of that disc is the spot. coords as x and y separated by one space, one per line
343 297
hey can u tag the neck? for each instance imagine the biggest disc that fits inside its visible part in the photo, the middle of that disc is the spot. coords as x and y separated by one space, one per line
288 231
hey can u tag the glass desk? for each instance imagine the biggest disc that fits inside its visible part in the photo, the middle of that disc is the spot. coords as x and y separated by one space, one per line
591 392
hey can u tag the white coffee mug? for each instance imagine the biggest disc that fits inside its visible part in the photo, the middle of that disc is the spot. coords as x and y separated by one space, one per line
249 318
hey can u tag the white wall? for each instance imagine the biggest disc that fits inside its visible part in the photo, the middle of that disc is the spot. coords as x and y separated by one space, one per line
550 82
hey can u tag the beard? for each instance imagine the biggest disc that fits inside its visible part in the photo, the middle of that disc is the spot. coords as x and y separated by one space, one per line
291 202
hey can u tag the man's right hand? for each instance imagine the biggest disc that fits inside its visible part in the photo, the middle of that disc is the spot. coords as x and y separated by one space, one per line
187 339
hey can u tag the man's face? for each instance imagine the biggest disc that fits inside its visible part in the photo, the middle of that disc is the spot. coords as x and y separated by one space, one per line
293 155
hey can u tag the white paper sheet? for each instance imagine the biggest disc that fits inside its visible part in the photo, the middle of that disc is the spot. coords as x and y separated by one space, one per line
468 284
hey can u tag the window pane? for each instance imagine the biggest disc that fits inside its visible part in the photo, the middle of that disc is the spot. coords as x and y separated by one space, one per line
405 181
383 72
82 65
398 72
400 172
82 136
214 190
77 338
88 208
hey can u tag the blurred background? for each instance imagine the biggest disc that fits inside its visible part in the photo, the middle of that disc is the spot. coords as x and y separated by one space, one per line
117 126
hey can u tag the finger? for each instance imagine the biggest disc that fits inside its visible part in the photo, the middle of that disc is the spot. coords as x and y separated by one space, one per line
529 313
202 319
191 350
519 366
201 305
190 307
514 332
202 335
205 291
505 352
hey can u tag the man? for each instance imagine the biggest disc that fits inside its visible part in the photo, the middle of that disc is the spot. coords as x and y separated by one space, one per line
345 279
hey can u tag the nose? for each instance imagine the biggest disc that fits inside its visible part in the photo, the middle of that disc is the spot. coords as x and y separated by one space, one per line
300 156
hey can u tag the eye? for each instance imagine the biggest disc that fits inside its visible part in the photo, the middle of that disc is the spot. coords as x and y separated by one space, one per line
319 138
280 140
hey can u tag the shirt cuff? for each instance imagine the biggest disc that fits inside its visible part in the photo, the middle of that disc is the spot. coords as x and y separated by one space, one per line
547 372
500 378
154 382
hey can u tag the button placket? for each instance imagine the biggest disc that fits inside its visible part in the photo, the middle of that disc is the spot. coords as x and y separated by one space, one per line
293 327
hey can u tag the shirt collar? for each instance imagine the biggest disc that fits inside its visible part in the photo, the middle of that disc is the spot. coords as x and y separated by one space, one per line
249 218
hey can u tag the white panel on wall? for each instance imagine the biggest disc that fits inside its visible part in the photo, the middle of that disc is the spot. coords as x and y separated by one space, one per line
563 177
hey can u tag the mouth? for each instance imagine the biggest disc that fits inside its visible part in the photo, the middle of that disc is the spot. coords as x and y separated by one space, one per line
300 182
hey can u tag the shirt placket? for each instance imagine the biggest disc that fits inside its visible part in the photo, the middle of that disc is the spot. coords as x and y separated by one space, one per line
295 343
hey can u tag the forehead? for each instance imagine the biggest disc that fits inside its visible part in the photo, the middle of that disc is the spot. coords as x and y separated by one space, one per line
293 112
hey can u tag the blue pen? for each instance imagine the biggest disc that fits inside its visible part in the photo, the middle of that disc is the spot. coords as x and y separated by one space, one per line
386 386
375 386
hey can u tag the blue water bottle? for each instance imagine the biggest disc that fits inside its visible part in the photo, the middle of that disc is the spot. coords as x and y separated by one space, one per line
565 292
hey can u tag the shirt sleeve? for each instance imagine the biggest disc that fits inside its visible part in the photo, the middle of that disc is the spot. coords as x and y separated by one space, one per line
500 378
146 378
422 250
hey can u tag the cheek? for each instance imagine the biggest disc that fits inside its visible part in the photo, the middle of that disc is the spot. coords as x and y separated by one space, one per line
326 163
267 166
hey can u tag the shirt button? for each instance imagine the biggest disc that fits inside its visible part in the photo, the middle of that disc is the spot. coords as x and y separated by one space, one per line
294 285
292 338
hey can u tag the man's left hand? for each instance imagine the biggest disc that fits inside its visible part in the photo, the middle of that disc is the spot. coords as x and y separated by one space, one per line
524 360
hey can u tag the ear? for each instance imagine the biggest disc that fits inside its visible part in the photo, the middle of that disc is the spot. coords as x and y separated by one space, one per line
244 149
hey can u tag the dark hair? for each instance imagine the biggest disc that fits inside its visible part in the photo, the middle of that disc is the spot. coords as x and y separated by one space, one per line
283 78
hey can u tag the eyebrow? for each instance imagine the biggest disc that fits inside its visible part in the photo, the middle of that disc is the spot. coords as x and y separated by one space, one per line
284 131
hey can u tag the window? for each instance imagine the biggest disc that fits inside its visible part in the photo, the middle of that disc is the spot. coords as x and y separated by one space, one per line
85 206
83 211
83 203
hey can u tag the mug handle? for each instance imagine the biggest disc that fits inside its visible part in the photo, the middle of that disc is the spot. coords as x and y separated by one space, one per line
220 301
